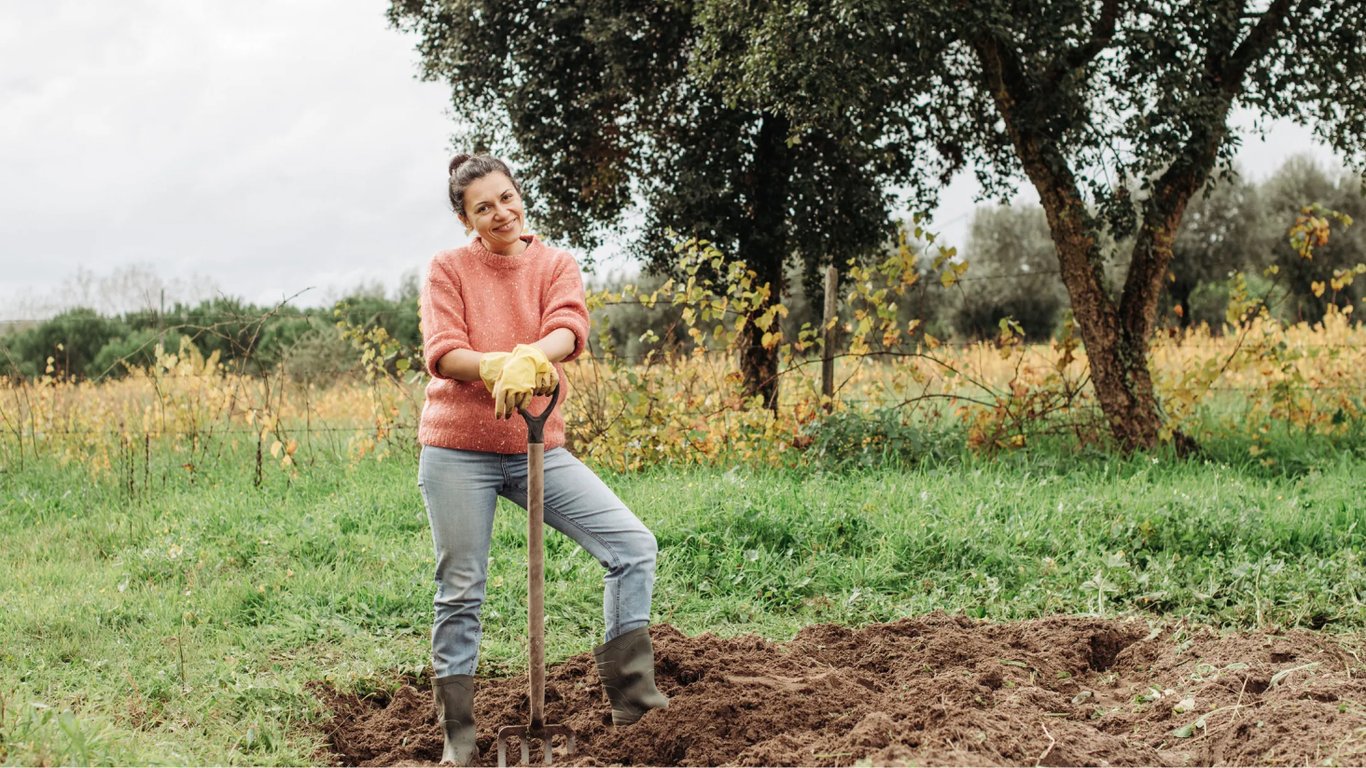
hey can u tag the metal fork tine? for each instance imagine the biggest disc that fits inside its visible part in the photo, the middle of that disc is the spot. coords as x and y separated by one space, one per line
524 734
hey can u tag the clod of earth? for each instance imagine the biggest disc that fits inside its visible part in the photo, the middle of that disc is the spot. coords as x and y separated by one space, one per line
936 689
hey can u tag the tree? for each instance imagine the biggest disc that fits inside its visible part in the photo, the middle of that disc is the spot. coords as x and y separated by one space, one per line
1226 229
72 339
1088 99
1014 274
1300 182
600 106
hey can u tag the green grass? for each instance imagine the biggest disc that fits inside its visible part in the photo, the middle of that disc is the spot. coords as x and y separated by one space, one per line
183 623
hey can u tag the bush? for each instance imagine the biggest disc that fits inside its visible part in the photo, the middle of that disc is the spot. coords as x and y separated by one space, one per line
135 349
72 339
880 438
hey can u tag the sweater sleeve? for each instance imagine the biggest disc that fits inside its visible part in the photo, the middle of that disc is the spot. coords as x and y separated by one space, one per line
565 305
443 316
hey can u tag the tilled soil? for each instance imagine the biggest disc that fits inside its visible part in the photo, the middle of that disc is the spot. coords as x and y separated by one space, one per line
937 689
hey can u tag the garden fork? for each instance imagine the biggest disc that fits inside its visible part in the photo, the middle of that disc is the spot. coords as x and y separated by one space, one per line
537 728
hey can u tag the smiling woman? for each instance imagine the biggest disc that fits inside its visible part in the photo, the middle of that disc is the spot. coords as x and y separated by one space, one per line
498 317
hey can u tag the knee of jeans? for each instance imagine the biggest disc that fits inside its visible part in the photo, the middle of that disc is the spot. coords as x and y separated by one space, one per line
643 548
456 584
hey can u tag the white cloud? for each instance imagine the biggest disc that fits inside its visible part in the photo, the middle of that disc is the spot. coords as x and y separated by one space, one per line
271 146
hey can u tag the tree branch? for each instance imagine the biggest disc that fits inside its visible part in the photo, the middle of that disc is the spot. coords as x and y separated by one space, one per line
1253 46
1188 172
1102 33
1047 168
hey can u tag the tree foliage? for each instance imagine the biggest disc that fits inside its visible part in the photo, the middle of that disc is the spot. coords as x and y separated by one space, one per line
1118 113
1300 183
602 104
1227 228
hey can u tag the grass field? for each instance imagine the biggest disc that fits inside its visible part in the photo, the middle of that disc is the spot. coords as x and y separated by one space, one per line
183 624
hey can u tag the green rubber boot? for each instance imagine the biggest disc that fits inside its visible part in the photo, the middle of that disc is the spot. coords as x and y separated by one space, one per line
626 666
455 712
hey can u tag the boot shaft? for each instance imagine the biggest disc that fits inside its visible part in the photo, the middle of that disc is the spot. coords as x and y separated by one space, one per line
455 712
626 666
454 698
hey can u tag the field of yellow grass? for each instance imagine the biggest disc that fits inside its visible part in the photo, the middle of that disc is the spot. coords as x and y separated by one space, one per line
688 409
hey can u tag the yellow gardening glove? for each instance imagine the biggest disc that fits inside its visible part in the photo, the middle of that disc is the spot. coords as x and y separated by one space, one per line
546 376
517 381
523 373
491 366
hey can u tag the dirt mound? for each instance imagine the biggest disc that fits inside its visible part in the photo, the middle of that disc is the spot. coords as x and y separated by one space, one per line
938 689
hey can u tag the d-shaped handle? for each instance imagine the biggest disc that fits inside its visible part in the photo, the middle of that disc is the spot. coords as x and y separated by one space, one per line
535 425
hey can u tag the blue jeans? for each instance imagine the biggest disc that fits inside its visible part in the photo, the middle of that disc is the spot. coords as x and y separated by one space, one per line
461 490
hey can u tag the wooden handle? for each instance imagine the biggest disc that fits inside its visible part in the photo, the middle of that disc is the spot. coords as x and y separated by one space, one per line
535 458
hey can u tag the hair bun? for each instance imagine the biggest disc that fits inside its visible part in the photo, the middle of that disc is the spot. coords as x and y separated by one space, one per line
457 161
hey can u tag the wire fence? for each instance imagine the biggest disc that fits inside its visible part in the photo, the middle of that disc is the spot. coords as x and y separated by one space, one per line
239 333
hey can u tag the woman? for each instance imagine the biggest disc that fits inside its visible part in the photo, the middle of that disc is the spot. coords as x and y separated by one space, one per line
498 316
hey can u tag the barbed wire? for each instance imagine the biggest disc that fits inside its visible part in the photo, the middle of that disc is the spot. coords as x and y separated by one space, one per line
243 366
417 374
207 432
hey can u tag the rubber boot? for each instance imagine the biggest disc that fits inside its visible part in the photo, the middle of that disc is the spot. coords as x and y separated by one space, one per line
626 666
455 712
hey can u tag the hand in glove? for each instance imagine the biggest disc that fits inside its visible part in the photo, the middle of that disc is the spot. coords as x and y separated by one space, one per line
525 372
491 367
546 376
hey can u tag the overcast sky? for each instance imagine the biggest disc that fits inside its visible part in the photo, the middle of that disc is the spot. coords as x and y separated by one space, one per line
252 148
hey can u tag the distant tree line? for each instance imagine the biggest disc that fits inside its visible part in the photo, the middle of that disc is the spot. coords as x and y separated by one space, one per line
1232 226
82 343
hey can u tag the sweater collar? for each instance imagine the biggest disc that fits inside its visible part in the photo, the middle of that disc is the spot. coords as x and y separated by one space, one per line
499 261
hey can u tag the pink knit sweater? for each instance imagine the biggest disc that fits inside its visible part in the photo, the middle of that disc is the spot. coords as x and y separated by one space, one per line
476 299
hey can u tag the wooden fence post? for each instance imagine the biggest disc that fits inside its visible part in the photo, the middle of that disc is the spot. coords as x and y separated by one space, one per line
832 277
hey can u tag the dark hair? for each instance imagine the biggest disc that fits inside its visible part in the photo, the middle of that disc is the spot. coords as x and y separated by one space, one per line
467 169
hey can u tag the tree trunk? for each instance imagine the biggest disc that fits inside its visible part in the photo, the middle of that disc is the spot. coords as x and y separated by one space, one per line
764 248
1116 336
1119 361
1118 358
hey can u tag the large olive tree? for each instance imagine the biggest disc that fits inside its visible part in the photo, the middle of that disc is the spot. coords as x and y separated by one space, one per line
1088 99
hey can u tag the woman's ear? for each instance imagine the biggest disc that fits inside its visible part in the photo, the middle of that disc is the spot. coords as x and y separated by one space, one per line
464 222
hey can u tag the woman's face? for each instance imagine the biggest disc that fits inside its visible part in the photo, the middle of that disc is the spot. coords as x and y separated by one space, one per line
493 208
